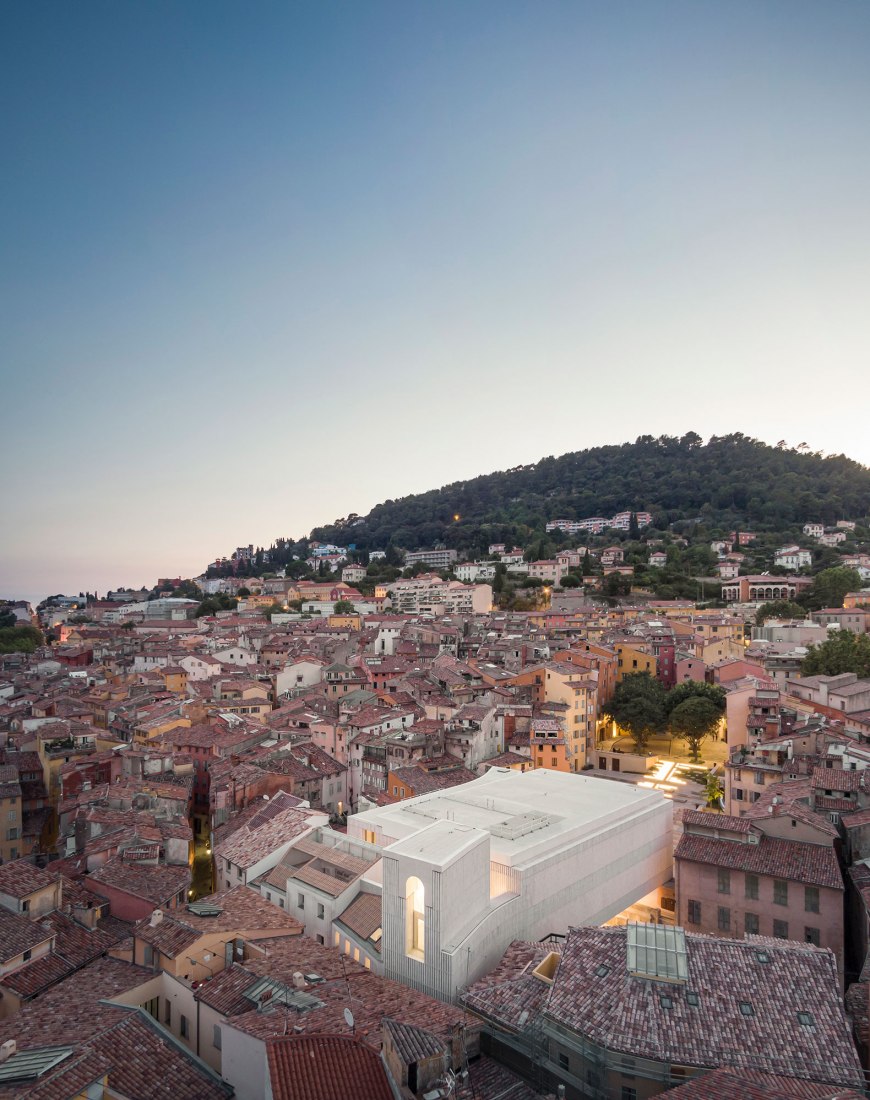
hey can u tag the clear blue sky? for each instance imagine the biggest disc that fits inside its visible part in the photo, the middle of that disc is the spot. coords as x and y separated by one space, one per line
264 264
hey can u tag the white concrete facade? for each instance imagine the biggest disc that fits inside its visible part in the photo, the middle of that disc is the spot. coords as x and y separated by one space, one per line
509 856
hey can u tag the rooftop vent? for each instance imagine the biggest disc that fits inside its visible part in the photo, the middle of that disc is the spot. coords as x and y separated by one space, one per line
156 918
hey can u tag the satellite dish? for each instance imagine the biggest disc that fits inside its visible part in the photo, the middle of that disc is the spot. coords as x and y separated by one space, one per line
348 1017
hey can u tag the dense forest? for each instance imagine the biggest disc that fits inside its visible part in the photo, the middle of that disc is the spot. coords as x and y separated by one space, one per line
729 481
691 488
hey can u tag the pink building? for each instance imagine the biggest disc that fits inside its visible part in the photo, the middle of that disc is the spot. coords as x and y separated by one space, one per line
776 875
690 668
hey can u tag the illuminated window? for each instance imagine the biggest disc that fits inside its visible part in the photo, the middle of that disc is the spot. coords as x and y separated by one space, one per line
414 918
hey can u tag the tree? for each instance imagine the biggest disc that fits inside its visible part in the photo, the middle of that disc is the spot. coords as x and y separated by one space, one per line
713 792
694 720
842 652
830 587
20 639
779 609
7 618
213 604
695 689
616 585
638 707
344 607
244 592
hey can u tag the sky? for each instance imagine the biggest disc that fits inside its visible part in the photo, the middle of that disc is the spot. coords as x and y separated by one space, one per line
263 265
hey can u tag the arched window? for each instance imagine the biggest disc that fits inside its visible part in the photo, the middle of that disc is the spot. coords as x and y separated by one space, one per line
415 922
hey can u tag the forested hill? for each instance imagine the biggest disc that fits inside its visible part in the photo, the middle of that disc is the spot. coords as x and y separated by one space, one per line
730 480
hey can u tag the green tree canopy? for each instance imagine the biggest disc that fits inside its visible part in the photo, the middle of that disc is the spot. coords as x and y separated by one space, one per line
695 689
830 587
842 652
344 607
694 719
638 707
20 639
212 604
779 609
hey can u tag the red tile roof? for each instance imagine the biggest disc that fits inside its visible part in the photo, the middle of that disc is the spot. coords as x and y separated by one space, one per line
20 877
725 1084
154 884
595 995
815 864
325 1067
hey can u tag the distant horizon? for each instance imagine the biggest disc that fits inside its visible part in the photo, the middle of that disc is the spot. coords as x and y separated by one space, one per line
190 572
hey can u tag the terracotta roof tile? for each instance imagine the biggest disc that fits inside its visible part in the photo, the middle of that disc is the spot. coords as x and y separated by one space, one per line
595 995
154 884
20 877
325 1067
815 864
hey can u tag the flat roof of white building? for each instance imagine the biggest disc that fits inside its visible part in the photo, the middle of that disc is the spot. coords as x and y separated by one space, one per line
528 815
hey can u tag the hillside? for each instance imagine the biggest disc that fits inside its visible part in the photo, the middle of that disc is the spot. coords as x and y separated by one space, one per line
729 481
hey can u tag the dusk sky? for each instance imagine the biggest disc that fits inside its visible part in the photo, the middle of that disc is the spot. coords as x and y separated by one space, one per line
266 264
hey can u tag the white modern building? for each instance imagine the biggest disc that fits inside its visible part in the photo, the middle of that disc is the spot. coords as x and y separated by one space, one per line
512 855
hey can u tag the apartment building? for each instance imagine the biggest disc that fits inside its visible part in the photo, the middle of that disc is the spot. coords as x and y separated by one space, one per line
437 559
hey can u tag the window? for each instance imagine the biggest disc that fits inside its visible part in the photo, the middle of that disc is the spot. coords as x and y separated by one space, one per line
415 937
813 936
694 915
628 1093
811 899
750 883
665 1001
148 956
693 999
320 911
564 1061
780 929
185 1030
25 905
806 1019
319 939
26 955
746 1008
216 1037
750 924
300 901
780 892
724 881
724 919
738 794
